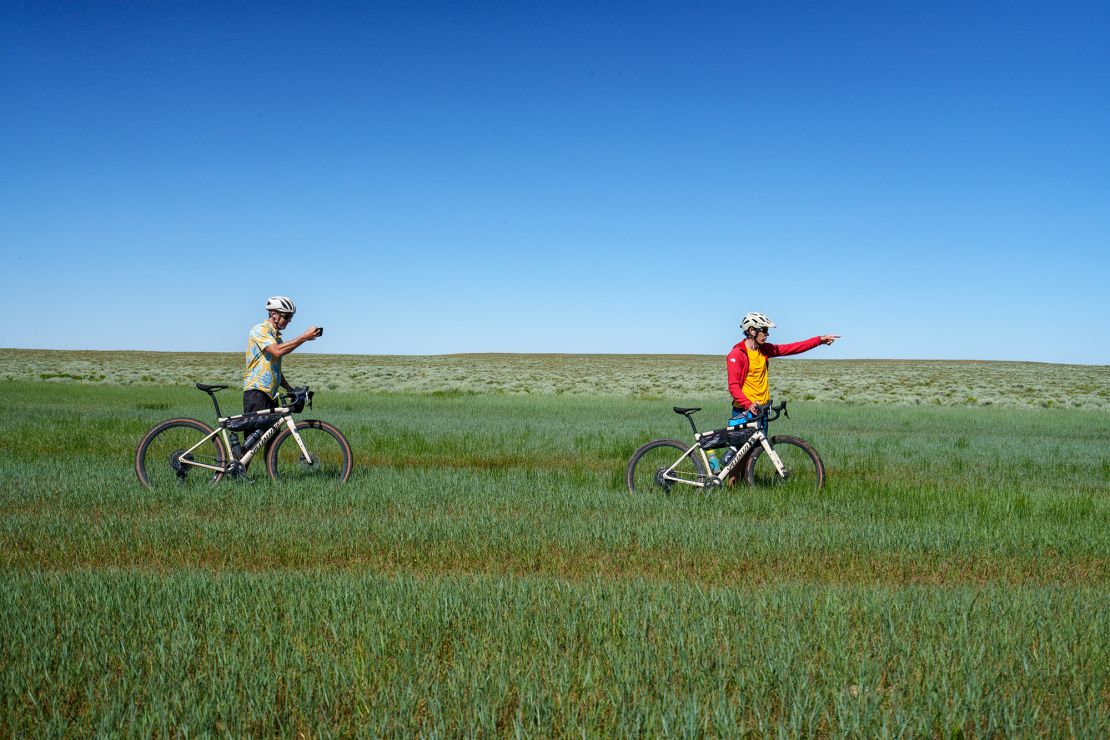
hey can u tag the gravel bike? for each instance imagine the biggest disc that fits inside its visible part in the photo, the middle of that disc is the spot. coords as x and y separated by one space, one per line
750 454
187 452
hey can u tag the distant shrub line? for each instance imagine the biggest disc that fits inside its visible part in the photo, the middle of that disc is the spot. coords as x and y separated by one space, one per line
870 382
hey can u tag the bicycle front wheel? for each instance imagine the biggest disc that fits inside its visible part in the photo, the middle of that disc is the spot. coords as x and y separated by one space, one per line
803 469
169 455
329 455
647 470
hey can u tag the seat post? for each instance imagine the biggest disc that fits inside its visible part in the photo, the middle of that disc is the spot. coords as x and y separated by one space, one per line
215 403
689 414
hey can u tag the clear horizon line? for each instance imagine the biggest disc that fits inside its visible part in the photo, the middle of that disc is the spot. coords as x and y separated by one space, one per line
558 354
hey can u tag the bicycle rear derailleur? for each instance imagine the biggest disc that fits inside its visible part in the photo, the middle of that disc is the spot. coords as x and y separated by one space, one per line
175 463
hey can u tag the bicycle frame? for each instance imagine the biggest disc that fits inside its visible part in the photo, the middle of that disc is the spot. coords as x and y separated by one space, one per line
757 437
286 420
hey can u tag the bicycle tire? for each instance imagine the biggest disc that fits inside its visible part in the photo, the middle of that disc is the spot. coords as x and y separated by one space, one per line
154 458
333 460
806 470
641 474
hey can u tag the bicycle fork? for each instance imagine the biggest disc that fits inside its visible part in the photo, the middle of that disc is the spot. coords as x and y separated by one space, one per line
774 456
307 458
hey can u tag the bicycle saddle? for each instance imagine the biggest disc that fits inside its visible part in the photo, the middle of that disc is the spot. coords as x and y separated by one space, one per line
210 388
684 411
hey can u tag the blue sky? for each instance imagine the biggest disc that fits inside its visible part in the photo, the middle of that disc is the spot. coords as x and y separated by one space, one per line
930 180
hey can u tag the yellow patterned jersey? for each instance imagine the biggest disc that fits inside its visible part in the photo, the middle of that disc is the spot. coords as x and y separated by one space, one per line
263 373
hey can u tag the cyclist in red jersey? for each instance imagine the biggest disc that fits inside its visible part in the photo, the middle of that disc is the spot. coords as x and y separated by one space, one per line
748 380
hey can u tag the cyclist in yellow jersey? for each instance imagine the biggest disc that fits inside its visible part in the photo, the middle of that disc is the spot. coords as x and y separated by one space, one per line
265 348
748 380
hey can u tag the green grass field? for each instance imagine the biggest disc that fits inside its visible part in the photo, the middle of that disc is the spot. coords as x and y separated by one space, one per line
485 571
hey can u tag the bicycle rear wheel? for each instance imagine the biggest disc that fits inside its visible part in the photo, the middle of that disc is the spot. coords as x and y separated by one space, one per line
329 454
163 457
650 462
804 469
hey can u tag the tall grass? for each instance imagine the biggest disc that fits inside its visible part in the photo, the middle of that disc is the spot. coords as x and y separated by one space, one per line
485 572
286 653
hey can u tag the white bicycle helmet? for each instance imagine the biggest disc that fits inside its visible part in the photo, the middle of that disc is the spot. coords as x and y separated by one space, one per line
755 320
281 303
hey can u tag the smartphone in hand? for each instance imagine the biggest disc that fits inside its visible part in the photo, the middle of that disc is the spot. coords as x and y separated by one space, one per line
319 331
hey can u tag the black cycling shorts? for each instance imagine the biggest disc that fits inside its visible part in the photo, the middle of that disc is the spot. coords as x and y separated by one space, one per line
255 400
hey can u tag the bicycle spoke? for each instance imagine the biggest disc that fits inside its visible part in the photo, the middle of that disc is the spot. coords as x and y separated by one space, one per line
803 470
328 456
164 458
647 471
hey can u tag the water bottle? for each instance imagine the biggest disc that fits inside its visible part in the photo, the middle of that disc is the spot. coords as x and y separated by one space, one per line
236 448
729 454
254 437
714 463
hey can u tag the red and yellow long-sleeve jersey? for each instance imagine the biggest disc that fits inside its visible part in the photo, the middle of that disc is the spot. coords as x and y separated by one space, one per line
747 376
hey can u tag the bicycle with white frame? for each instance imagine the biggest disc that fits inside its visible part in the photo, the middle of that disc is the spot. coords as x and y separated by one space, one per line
750 454
184 452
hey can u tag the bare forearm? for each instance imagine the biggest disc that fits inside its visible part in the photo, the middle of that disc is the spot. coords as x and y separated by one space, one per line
280 350
284 348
